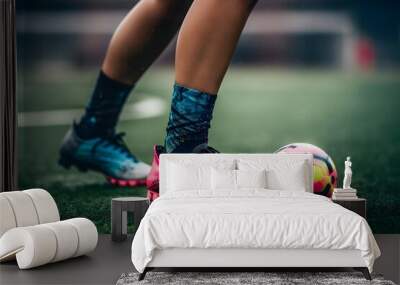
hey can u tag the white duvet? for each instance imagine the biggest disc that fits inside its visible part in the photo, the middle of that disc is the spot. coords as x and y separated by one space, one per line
250 219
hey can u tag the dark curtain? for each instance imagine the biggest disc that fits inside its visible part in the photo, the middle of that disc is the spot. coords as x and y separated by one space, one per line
8 128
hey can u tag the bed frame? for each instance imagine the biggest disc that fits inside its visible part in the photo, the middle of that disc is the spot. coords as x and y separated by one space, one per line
242 259
245 258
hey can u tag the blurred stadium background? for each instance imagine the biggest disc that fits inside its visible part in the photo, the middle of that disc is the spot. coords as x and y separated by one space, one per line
319 71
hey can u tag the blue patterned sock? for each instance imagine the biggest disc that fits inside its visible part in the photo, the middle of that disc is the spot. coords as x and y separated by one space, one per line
189 119
104 108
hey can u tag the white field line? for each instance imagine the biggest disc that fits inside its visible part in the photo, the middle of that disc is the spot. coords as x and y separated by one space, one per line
147 108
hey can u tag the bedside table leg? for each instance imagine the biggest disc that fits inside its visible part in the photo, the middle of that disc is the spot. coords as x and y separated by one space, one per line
117 220
124 222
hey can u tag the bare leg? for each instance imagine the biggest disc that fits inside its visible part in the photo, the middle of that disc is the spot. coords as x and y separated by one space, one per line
206 43
207 40
142 36
138 41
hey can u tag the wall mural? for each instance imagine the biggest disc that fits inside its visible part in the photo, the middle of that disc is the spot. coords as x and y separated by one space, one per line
332 91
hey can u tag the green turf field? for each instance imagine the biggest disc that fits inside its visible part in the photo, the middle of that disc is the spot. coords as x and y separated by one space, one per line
257 111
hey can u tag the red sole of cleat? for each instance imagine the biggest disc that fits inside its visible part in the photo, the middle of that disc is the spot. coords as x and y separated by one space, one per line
126 183
152 195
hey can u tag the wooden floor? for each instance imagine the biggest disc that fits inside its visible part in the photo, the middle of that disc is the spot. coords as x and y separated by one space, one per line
110 260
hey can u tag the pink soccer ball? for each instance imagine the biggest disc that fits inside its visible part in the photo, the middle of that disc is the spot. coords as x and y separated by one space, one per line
325 174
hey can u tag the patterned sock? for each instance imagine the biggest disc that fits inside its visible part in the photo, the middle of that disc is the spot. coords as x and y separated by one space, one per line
104 108
189 119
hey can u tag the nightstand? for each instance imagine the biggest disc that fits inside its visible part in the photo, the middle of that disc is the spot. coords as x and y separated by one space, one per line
119 211
357 205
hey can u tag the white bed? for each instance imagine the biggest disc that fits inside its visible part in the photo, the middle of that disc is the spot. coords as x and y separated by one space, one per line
195 224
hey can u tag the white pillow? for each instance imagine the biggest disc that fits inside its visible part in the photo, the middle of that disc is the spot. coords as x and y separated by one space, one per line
293 179
251 178
223 179
290 179
183 177
193 173
226 179
281 175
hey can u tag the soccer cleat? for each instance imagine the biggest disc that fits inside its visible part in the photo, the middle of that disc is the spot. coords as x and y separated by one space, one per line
204 148
153 179
107 155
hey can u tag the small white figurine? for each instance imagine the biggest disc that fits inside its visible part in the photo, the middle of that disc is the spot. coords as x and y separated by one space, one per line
348 173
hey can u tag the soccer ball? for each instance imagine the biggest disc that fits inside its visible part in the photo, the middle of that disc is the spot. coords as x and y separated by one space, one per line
325 174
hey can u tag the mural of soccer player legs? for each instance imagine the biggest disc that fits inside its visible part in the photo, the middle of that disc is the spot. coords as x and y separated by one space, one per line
206 43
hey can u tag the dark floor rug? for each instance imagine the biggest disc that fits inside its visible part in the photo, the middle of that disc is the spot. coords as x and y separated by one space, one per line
243 278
